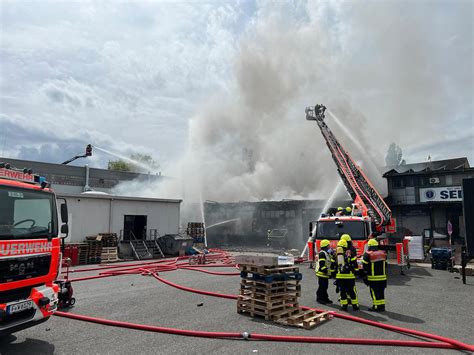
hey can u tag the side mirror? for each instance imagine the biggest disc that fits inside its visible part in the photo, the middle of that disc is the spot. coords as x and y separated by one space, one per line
65 230
64 214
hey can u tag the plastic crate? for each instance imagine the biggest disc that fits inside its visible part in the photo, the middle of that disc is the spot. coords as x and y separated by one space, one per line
441 254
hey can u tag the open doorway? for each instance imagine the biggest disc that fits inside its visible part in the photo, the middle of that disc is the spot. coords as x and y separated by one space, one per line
134 226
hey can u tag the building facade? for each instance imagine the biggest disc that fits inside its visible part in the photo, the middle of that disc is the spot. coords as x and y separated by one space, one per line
426 198
70 179
246 224
129 217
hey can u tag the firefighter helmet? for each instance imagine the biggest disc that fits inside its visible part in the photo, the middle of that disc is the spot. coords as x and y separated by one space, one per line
373 243
346 237
324 243
342 243
339 209
348 210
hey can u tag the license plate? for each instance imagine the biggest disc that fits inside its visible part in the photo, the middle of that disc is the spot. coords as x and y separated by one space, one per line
19 307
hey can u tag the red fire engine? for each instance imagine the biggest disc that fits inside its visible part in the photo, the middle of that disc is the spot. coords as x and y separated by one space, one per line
369 213
30 253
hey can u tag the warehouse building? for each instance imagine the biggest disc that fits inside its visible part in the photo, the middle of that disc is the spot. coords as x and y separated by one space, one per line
246 223
129 217
93 209
76 179
427 197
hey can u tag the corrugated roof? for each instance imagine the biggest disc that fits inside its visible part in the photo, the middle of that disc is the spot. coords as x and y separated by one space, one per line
438 165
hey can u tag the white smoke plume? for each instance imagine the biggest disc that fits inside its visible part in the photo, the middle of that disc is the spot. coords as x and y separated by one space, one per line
390 71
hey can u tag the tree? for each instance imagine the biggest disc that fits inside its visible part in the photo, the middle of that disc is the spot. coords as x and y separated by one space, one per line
119 165
145 159
137 163
394 156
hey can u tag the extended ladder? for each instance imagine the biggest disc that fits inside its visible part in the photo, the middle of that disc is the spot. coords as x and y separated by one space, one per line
355 181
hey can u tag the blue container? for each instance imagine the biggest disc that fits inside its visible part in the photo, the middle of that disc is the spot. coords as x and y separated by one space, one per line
441 254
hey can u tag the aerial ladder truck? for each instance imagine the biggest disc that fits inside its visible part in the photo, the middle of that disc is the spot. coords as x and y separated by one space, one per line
369 214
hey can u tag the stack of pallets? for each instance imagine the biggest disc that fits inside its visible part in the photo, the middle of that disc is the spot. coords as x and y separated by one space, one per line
272 292
108 239
109 255
94 250
196 231
83 253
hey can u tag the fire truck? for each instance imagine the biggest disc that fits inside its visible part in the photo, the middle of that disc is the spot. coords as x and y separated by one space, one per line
369 213
30 255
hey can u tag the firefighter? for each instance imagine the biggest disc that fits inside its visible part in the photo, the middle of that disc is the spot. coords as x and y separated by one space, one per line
345 277
348 211
350 246
324 268
375 266
269 237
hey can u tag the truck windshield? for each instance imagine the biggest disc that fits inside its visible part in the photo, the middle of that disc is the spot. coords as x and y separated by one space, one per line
333 230
26 214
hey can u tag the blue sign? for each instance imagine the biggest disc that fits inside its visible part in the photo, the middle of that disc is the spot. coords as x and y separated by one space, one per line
430 194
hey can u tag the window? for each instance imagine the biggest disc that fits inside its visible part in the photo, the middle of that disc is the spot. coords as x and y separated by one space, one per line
26 214
332 231
397 183
408 181
449 179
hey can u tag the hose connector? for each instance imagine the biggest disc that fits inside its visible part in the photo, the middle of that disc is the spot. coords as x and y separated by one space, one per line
246 335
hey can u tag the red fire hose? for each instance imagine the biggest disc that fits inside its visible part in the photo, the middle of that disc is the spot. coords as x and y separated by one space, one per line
153 269
255 336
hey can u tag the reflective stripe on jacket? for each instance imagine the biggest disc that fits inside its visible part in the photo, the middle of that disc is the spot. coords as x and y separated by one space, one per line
345 265
323 266
375 265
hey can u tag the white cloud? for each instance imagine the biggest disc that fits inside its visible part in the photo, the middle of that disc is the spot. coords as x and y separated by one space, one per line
233 79
132 72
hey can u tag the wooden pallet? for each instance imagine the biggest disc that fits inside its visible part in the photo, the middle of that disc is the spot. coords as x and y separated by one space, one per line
109 254
266 304
271 296
268 314
305 319
270 287
269 270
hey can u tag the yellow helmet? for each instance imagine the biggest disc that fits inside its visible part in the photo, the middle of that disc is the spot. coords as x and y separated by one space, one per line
346 237
342 243
324 243
348 209
373 243
339 208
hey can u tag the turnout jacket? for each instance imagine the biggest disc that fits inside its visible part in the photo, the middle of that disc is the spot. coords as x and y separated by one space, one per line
324 266
346 264
375 265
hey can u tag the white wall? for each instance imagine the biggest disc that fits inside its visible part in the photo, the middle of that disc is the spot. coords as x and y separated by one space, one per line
86 217
90 216
163 216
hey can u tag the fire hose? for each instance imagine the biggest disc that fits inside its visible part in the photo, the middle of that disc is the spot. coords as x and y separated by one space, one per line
153 268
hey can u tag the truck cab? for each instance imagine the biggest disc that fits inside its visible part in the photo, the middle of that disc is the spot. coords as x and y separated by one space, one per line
30 253
333 227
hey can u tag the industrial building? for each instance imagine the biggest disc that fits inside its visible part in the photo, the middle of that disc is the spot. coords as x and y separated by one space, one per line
246 224
128 217
70 179
423 197
93 209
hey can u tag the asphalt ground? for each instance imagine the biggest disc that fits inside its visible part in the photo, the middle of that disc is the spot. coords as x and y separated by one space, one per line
428 300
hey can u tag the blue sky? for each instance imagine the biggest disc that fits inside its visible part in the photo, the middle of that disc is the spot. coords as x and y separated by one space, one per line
155 76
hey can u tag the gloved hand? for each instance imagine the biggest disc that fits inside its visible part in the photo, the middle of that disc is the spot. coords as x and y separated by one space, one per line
366 282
